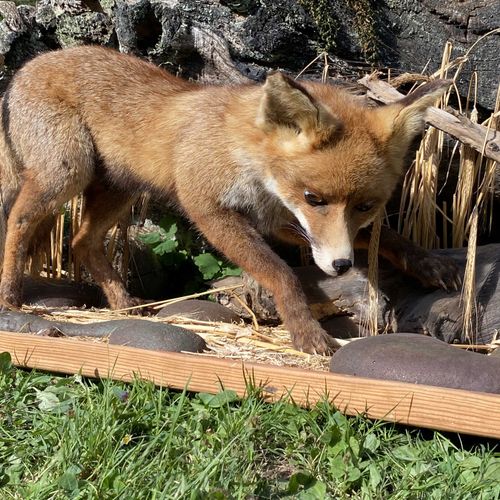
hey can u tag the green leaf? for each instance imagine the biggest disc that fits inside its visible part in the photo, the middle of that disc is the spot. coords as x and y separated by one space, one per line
164 247
205 398
467 476
315 492
152 238
492 469
375 476
354 445
297 480
371 442
119 486
331 436
337 467
54 398
471 462
406 453
5 362
208 265
68 481
353 474
230 270
223 398
47 400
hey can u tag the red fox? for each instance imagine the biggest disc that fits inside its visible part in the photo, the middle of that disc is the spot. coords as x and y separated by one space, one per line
301 160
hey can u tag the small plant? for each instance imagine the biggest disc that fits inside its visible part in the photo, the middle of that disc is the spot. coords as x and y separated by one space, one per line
181 251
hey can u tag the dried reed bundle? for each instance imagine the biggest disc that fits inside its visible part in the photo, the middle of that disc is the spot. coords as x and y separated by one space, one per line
418 207
468 297
372 320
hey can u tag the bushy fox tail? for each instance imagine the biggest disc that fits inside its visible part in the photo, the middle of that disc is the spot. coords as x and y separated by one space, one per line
9 183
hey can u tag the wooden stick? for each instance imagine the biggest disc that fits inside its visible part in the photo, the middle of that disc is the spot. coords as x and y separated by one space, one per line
486 142
419 405
162 303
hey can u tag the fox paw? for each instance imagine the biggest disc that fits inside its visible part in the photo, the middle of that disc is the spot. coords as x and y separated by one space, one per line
9 301
438 271
126 302
314 341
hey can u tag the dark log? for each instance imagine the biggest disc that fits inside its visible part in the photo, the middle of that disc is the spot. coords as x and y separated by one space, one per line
404 305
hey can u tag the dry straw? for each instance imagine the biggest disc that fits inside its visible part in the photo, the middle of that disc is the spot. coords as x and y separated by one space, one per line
372 323
468 297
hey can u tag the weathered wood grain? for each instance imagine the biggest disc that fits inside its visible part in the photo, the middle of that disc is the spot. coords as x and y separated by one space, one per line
418 405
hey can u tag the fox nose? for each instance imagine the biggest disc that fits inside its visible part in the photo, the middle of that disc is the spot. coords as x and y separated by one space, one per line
342 265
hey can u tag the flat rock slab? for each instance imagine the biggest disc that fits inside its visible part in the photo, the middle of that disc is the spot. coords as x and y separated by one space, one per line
156 337
202 310
139 333
418 359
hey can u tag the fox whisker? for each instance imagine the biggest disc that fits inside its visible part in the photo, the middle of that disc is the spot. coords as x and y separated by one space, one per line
300 231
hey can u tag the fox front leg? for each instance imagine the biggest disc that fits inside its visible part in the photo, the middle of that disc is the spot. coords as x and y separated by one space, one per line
232 234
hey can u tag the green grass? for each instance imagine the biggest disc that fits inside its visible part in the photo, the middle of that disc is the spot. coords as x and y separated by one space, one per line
68 437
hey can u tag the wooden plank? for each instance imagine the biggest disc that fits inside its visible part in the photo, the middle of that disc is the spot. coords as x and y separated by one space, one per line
424 406
458 126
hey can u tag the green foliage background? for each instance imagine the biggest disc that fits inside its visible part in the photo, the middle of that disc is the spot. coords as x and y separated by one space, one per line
182 253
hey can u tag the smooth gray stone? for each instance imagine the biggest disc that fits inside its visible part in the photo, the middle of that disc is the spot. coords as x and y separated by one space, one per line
60 293
418 359
203 310
149 336
132 332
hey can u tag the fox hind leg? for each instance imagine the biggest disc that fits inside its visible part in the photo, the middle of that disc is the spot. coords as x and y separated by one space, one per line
104 206
52 167
33 205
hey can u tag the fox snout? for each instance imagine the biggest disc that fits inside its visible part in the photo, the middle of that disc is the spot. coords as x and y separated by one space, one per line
333 262
341 266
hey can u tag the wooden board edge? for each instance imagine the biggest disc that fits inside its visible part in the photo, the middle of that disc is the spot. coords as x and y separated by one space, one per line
431 407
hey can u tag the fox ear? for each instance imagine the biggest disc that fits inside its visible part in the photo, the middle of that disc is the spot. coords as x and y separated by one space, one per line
286 103
404 120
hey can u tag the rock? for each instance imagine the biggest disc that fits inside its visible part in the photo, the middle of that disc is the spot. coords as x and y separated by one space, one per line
60 293
417 359
341 327
156 337
139 333
203 310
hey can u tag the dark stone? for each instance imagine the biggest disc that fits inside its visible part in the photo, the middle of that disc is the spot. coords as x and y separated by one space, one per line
341 327
132 332
417 359
202 310
60 293
156 337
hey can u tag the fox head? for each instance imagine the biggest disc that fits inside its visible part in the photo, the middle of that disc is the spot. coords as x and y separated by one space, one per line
333 162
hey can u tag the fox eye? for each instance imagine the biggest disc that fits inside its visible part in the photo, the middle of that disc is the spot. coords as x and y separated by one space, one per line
314 199
365 207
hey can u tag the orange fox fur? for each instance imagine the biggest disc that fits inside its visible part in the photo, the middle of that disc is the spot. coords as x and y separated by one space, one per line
241 162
